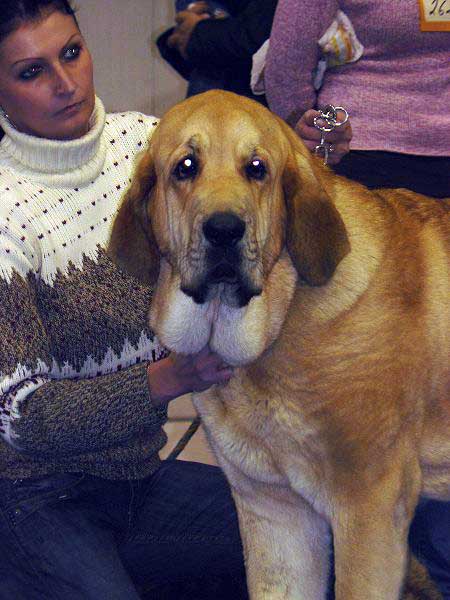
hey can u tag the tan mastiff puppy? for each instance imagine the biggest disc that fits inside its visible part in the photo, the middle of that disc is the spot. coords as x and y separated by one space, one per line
333 303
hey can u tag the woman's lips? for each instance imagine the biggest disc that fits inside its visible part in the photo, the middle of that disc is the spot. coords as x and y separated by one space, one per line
70 110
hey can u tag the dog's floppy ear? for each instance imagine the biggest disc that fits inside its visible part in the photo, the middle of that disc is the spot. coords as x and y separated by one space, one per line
132 244
316 237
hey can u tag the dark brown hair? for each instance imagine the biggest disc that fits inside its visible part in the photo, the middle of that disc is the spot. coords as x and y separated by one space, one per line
15 12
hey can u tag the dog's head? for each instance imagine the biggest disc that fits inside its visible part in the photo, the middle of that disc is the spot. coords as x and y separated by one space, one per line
223 189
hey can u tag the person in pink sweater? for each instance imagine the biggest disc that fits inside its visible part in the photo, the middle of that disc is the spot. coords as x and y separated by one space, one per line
398 97
397 94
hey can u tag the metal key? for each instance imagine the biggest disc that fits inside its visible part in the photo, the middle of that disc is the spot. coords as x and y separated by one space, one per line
326 121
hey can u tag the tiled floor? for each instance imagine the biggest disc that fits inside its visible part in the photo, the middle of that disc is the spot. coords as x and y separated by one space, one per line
181 413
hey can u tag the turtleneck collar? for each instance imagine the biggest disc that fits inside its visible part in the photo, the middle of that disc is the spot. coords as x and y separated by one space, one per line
54 162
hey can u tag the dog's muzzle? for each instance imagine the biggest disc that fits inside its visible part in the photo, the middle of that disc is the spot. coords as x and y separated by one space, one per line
224 229
223 273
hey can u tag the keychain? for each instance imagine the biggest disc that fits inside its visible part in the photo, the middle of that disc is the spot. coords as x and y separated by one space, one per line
326 121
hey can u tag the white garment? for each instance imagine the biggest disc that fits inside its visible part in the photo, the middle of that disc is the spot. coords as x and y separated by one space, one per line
339 45
78 182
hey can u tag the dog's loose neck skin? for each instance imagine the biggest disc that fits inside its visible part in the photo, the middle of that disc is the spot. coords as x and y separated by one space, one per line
238 335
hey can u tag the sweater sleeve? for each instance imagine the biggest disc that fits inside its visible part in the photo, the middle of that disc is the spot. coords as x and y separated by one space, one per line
293 55
219 42
40 412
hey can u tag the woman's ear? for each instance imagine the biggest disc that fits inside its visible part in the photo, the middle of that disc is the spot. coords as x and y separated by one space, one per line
316 237
132 244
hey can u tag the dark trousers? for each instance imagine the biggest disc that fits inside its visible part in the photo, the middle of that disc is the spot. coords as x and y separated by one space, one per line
429 175
429 539
172 536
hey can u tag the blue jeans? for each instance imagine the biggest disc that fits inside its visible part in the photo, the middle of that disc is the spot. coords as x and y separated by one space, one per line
172 536
429 538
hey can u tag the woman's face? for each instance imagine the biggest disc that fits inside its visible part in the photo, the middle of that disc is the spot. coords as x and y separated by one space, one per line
46 78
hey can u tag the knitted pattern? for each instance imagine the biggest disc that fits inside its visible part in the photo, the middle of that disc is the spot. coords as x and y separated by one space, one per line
74 342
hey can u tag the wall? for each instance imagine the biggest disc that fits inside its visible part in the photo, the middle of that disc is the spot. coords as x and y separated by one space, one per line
129 74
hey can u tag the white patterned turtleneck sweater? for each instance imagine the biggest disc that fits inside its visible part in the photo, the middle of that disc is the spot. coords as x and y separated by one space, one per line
74 342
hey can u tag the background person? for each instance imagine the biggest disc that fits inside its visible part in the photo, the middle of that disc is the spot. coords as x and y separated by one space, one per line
397 93
201 81
219 48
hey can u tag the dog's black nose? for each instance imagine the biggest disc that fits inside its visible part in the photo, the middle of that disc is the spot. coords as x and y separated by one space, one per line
224 229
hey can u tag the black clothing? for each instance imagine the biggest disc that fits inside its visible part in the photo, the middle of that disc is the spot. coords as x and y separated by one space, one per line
223 48
428 175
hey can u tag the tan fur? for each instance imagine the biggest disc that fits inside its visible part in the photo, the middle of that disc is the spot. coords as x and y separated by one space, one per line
339 411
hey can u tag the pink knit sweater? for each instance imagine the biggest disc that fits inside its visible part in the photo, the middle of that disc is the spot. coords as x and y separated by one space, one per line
397 94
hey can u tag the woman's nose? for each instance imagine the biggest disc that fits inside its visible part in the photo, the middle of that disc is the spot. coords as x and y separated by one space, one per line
64 82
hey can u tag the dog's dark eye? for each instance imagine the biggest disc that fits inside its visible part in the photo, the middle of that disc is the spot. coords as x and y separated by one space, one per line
256 169
186 169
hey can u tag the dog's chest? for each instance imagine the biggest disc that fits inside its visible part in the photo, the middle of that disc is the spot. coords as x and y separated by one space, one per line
257 438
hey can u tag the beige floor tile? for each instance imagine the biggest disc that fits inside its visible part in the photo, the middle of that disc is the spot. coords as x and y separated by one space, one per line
182 408
197 449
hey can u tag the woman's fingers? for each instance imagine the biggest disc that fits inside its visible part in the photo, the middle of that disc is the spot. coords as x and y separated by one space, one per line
202 370
338 139
198 7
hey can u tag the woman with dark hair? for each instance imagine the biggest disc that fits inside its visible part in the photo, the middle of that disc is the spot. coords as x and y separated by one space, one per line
87 509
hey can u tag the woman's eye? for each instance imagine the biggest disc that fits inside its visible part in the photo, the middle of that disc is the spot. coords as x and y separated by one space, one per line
256 169
31 72
186 169
72 52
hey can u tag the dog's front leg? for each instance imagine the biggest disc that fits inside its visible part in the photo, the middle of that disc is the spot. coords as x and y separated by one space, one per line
286 546
370 559
370 539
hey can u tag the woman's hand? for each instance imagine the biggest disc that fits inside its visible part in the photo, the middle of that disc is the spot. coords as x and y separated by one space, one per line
186 20
339 138
179 374
198 7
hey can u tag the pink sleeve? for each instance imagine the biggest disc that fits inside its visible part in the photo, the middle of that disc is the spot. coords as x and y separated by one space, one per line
293 54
